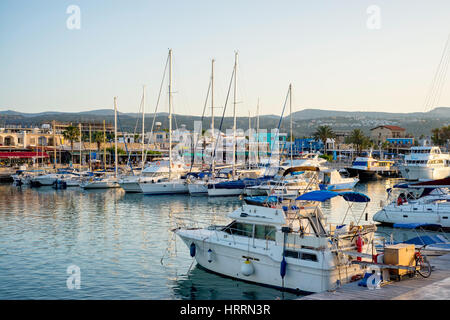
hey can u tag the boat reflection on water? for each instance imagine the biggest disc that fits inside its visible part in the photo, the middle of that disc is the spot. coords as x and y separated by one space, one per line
200 284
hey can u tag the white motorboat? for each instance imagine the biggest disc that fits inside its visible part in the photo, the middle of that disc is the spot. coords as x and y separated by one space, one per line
426 163
422 203
332 180
154 172
287 248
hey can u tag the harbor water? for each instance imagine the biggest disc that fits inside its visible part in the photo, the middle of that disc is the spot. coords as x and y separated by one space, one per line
123 244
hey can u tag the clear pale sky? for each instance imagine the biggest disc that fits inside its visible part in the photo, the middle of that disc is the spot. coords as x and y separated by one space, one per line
323 47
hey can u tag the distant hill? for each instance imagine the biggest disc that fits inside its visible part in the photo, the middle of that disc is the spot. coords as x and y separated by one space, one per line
305 121
317 113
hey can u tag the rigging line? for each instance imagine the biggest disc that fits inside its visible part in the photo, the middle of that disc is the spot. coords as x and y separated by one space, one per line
433 83
141 106
203 115
223 113
439 79
279 124
156 109
443 75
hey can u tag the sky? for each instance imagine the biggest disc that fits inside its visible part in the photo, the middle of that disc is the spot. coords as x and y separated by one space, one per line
334 53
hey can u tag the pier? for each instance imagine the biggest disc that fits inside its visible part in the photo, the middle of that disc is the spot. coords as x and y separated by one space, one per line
436 287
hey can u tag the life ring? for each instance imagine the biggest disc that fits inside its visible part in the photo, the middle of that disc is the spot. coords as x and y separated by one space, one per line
158 163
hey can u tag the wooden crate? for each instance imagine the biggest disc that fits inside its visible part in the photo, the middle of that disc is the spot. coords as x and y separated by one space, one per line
400 255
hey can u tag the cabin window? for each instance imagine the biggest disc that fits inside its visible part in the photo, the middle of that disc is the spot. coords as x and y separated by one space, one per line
308 256
265 232
240 229
300 255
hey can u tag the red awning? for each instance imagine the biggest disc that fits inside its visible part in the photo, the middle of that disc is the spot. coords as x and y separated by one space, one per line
22 155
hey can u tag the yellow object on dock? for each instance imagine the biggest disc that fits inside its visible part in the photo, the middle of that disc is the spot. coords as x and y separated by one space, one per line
401 254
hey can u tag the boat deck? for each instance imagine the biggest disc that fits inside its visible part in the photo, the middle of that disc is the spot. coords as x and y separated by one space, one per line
436 287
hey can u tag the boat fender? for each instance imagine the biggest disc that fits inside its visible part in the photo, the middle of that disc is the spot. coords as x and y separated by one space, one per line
283 267
359 245
210 255
192 250
247 268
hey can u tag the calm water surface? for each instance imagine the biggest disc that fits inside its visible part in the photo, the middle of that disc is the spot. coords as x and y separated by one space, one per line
123 243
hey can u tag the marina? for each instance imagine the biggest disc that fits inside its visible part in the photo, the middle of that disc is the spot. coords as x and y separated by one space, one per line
124 244
268 153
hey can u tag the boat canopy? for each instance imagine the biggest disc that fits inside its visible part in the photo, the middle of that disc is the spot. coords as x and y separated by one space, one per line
292 170
324 195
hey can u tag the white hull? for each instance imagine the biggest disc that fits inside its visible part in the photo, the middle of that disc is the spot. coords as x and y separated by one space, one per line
100 185
429 214
198 188
339 186
213 192
227 260
170 187
131 187
423 173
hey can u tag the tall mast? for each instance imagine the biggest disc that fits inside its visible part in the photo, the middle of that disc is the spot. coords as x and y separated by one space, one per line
90 160
104 145
290 111
79 125
54 144
115 137
170 113
143 120
234 114
257 132
213 168
249 133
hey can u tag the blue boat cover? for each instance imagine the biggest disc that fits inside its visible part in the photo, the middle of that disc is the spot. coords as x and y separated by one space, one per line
354 196
324 195
415 225
427 240
321 195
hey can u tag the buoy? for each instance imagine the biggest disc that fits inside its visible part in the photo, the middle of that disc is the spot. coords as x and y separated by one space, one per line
247 268
192 249
283 267
210 255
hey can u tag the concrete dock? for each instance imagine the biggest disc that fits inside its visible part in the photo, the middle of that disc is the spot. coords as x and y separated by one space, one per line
436 287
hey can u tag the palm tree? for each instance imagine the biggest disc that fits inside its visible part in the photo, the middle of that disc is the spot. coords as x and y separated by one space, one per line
359 140
71 133
323 133
98 138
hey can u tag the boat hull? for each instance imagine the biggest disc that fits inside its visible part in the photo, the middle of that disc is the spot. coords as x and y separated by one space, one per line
390 216
424 173
227 261
225 192
131 187
164 188
198 189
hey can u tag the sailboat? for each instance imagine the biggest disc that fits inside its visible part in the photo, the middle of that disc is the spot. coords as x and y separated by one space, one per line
105 181
173 184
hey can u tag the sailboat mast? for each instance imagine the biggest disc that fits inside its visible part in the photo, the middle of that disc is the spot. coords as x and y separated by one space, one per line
79 125
290 112
143 130
234 114
90 159
213 167
104 145
115 137
170 113
257 132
